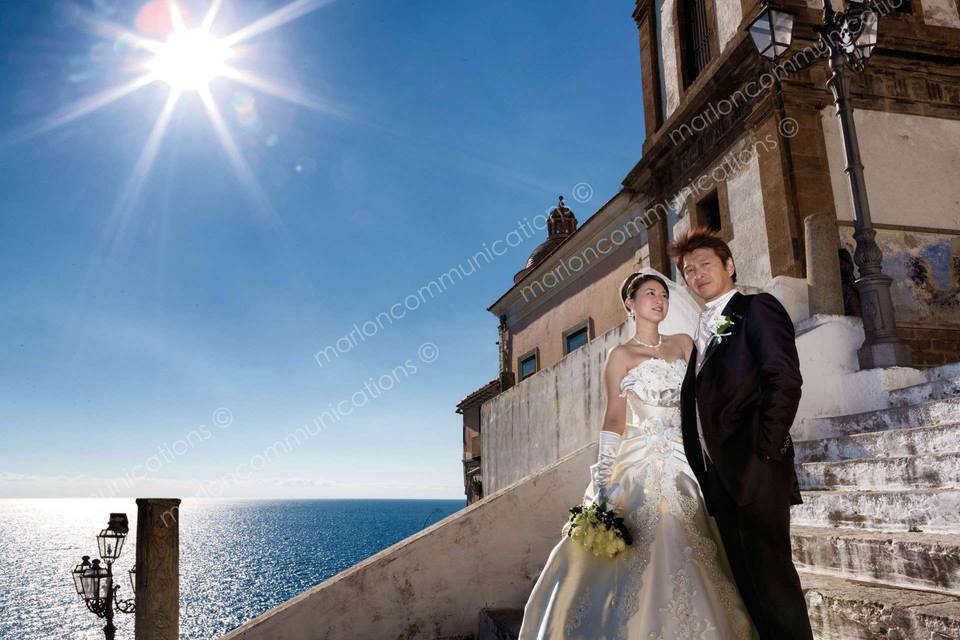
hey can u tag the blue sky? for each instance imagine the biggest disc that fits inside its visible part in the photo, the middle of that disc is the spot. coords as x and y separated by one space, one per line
187 322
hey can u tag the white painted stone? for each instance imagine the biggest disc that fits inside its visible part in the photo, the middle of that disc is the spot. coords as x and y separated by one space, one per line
832 382
935 390
669 60
749 243
928 414
919 509
926 561
908 472
434 583
881 444
546 416
729 15
793 294
942 13
847 610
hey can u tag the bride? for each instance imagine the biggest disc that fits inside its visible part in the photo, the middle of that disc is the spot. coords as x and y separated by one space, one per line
673 582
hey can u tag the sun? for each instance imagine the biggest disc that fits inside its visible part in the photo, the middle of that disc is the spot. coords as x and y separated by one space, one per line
186 62
189 60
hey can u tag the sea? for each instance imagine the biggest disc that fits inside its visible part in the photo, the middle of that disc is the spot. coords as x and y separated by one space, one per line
238 558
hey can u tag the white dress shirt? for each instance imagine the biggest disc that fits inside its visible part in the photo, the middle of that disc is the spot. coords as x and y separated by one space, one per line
710 309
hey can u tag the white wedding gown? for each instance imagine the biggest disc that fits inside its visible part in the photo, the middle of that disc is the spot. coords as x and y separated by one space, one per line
672 582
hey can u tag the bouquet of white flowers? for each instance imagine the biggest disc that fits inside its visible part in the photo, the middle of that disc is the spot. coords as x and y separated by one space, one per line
598 529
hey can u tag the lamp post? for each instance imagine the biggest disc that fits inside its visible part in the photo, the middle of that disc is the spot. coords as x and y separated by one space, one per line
846 40
94 581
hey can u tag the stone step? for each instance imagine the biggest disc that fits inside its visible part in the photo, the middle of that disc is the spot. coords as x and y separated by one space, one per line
905 472
927 414
937 389
848 610
500 624
943 371
911 510
881 444
839 609
925 561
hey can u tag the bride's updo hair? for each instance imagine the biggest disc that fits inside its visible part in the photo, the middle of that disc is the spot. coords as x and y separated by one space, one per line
635 281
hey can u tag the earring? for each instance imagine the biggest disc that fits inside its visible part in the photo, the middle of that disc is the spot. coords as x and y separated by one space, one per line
631 314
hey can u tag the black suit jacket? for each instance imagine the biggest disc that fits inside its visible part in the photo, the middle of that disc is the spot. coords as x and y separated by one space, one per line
747 392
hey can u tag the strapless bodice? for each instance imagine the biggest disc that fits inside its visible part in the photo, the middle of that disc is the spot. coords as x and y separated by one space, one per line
652 389
655 382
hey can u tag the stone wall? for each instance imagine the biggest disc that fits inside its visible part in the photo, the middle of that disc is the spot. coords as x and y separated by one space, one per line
545 416
925 267
931 346
433 584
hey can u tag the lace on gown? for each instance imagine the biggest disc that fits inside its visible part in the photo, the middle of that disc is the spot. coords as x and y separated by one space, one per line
673 568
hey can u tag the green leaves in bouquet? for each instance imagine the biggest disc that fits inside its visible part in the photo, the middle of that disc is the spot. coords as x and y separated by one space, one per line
606 516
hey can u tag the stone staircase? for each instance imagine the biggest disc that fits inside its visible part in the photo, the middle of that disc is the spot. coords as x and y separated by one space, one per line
877 540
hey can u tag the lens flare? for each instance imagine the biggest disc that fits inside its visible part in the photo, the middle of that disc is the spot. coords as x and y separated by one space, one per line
187 61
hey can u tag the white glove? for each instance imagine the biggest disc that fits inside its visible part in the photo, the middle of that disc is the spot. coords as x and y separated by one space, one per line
615 496
600 472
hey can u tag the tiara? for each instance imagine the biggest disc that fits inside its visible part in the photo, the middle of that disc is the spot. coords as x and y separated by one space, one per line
625 285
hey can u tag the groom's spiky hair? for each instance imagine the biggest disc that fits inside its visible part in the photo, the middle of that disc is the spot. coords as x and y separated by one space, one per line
699 238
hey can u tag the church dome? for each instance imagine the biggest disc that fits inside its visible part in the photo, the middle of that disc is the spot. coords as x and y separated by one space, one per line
561 223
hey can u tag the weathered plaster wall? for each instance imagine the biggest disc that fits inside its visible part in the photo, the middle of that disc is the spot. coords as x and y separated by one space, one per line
942 13
900 149
729 15
666 16
546 416
925 268
492 553
740 169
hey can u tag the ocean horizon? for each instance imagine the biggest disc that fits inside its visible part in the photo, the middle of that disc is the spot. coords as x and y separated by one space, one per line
238 557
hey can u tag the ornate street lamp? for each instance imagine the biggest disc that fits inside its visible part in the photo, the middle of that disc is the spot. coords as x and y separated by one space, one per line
772 32
78 574
94 582
847 39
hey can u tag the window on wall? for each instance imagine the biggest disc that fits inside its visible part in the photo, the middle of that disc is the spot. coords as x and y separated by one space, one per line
905 6
694 38
528 364
708 212
577 336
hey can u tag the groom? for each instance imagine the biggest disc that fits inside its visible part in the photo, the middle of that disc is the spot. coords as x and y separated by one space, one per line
738 401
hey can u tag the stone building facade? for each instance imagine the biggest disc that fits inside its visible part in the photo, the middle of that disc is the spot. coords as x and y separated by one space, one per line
754 152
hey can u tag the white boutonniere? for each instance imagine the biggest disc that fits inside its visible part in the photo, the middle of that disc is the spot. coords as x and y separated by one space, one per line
720 328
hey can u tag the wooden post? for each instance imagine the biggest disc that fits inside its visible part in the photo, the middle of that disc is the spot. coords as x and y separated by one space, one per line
158 569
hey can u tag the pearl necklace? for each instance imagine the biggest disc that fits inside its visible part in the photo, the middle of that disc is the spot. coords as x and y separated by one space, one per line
649 346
